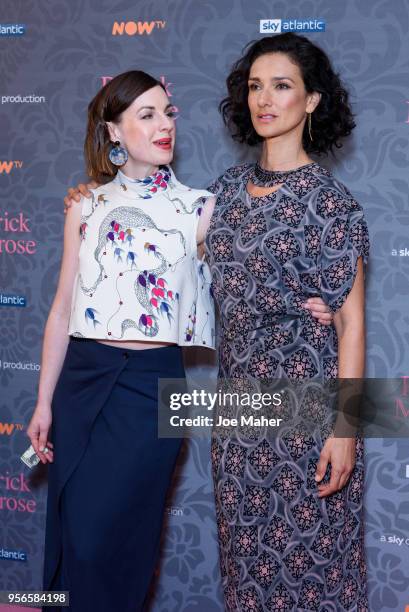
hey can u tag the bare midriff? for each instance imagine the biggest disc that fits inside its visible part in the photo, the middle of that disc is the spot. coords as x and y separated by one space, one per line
136 345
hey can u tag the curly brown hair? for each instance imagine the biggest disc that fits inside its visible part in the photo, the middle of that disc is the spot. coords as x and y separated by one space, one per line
332 119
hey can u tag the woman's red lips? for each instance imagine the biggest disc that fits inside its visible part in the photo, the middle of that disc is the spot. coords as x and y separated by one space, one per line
164 143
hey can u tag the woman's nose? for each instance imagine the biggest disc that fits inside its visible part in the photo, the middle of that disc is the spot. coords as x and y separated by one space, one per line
264 98
167 123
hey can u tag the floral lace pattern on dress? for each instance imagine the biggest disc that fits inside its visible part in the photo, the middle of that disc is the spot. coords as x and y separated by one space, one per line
282 548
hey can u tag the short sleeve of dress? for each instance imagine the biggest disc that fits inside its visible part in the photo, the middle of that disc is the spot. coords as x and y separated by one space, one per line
344 239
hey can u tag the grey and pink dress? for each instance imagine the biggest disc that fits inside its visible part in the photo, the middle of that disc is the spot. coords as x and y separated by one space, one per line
283 548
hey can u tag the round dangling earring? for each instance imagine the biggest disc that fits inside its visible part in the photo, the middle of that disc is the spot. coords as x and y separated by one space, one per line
309 126
118 155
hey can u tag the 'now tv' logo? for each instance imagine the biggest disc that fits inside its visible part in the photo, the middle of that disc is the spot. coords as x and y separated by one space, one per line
7 166
6 429
136 28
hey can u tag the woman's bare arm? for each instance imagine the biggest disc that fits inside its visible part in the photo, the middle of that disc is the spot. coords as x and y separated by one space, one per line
55 336
349 323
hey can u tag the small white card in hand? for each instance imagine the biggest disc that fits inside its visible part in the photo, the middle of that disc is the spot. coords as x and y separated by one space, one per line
29 457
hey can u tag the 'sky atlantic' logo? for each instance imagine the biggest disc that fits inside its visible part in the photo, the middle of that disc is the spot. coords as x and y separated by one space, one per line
12 300
7 166
13 555
12 29
278 26
136 28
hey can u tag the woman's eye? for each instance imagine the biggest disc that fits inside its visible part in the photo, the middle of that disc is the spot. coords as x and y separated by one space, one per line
171 114
148 116
281 85
253 87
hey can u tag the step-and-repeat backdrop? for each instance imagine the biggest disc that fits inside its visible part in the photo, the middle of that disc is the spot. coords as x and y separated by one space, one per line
54 57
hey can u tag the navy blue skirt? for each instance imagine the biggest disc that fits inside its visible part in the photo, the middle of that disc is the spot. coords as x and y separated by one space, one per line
107 485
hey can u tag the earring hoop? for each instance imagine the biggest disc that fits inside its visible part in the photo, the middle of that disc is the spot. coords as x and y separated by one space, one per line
309 126
118 155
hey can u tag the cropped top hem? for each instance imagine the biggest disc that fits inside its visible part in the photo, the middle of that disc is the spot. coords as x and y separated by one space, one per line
141 339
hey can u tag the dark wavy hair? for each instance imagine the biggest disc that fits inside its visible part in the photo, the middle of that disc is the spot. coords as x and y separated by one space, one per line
332 119
108 105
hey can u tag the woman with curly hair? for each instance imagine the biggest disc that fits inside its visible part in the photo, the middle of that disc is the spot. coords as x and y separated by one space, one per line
284 234
289 506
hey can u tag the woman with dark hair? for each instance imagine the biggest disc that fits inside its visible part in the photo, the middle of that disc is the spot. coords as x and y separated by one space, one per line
289 506
131 293
238 283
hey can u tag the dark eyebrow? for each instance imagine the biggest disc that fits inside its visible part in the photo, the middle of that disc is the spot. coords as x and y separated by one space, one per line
278 78
153 108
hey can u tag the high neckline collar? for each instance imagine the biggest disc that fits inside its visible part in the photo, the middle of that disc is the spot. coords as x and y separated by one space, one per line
270 178
147 187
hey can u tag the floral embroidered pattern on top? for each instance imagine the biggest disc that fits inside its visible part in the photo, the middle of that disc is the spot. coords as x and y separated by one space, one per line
151 184
139 277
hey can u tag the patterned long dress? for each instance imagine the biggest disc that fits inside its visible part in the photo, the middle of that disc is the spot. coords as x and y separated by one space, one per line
283 548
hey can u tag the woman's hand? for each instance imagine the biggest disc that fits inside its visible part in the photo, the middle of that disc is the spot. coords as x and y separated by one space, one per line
340 453
319 310
74 194
38 430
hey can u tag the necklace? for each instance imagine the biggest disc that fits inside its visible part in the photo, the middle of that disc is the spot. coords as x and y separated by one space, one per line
146 188
271 178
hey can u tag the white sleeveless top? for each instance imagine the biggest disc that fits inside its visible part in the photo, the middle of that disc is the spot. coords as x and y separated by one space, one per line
139 277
